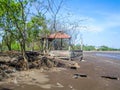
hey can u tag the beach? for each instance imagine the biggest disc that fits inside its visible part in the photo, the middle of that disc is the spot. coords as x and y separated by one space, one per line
90 76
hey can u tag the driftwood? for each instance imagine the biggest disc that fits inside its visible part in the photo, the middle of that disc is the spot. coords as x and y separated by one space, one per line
110 77
79 75
65 63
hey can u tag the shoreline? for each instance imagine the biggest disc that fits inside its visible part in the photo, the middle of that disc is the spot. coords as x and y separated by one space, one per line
108 54
102 51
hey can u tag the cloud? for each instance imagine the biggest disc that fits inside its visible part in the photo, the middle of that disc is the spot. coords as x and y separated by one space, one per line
90 28
109 19
96 25
100 23
82 23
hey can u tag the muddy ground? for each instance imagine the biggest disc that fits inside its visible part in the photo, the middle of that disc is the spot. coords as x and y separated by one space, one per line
88 77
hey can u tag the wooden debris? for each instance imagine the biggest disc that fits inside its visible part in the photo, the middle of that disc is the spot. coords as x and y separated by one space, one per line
110 77
73 68
64 63
79 75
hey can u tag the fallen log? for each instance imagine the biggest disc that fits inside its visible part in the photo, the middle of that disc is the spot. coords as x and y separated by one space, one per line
64 63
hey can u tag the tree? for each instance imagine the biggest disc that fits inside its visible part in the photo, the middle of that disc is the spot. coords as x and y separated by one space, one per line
22 25
88 47
36 26
6 25
105 48
16 12
8 39
54 10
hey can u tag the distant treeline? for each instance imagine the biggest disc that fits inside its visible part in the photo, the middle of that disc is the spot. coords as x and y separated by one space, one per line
93 48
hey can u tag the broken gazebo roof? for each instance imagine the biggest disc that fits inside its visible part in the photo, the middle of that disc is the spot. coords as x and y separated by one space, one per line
59 35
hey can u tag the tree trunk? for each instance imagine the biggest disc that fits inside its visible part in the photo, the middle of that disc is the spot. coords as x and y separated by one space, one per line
9 47
22 44
32 45
1 47
25 60
44 46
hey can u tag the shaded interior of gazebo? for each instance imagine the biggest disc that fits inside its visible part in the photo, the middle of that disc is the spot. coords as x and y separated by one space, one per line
58 38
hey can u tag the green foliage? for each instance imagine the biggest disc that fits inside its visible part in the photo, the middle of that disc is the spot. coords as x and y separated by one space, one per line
15 46
76 47
85 48
92 48
88 48
106 48
10 15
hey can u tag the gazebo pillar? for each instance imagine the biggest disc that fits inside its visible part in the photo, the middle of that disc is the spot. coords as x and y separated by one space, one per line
69 48
61 44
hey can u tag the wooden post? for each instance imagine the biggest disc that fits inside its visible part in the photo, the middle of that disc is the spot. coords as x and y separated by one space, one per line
81 42
61 44
69 49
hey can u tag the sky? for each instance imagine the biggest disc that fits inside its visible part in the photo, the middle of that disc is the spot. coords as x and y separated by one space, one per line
101 21
98 21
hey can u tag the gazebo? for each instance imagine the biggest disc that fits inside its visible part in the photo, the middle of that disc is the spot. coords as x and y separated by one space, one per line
61 53
49 41
59 35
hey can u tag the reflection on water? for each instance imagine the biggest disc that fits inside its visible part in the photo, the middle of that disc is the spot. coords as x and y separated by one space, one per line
110 55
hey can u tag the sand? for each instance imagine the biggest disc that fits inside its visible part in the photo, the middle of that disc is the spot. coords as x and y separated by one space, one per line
63 79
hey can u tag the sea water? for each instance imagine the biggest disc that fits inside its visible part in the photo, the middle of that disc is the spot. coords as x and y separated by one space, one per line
109 55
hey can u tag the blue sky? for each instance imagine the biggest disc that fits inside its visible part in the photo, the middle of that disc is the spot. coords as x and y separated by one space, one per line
100 23
101 19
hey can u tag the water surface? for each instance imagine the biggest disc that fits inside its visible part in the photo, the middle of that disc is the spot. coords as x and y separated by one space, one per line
109 55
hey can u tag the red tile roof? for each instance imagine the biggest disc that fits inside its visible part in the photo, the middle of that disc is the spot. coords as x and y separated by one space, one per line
59 35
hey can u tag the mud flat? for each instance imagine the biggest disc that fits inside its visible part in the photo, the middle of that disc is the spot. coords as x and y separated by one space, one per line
95 73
